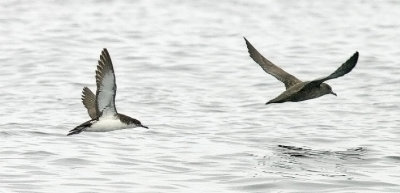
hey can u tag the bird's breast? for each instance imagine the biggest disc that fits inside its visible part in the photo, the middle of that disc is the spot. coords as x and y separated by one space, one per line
107 125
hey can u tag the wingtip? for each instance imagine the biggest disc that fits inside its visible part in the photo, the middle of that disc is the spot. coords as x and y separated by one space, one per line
86 92
250 48
104 53
85 89
355 57
247 42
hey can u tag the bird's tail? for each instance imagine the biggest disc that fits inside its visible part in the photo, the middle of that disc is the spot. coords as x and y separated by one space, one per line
76 130
79 128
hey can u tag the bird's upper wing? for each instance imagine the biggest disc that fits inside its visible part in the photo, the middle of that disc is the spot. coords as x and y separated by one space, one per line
342 70
106 87
288 79
89 101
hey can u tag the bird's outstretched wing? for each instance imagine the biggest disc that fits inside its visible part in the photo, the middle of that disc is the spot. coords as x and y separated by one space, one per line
288 79
89 101
106 87
342 70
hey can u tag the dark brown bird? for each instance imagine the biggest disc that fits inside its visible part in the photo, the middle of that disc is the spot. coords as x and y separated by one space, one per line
297 90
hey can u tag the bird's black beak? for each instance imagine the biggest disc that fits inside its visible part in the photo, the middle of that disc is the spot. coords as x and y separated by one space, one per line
333 93
144 126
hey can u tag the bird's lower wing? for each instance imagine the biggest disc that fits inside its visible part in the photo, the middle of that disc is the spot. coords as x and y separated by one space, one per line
89 101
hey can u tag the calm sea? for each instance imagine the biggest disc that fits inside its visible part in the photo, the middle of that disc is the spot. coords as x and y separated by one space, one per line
183 69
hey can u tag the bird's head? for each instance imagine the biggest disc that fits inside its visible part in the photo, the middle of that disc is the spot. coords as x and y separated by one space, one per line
139 124
327 89
135 123
131 121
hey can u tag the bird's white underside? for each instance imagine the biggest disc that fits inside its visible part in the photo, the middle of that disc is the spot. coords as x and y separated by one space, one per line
109 124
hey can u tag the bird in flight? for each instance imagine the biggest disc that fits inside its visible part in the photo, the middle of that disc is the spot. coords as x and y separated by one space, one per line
297 90
101 107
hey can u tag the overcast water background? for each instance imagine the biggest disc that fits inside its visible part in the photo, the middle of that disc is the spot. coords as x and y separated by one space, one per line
182 68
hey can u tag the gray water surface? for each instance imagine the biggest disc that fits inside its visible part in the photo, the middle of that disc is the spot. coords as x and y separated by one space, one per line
182 68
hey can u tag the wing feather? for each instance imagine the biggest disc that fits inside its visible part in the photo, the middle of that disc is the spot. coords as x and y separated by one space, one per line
106 86
341 71
270 68
89 101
